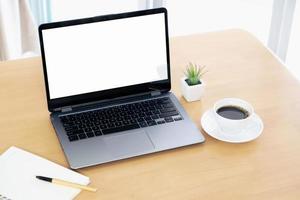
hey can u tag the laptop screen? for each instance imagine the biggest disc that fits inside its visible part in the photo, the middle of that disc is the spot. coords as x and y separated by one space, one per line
104 55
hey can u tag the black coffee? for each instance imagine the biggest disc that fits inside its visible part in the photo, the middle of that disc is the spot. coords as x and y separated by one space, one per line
233 112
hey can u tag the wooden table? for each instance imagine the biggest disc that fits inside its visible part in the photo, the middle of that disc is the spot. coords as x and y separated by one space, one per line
239 66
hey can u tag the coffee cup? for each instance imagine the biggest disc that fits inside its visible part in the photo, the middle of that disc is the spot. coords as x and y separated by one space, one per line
233 114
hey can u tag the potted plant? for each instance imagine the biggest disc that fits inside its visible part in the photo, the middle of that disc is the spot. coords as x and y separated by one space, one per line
192 86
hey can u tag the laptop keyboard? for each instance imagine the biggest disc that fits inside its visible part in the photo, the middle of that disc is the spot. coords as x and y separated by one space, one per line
119 118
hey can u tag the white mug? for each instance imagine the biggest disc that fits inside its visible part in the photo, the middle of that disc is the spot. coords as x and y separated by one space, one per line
233 126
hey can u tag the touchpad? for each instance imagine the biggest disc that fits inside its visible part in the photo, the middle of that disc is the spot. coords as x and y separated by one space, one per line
129 144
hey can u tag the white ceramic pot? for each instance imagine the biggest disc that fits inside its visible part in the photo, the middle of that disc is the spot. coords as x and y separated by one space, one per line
192 93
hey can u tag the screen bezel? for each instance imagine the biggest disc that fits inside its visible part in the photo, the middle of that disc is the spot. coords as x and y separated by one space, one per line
162 85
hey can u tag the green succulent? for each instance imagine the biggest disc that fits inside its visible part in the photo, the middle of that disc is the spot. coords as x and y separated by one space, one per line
193 73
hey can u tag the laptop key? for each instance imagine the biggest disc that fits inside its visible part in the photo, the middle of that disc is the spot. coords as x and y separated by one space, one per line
168 114
75 132
143 124
133 121
165 110
87 129
121 128
103 126
140 120
82 136
151 123
69 128
118 124
98 133
155 112
148 113
90 134
161 122
177 118
111 125
126 122
141 115
169 119
94 128
148 118
169 105
134 116
73 138
154 117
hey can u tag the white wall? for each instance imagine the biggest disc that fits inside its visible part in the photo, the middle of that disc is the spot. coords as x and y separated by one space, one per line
192 16
70 9
185 16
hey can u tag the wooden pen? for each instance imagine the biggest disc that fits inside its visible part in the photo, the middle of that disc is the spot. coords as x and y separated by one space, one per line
66 183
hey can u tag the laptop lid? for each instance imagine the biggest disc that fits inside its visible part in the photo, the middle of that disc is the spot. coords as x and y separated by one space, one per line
105 57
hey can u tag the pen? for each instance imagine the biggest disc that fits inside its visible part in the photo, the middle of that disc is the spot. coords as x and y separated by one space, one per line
66 183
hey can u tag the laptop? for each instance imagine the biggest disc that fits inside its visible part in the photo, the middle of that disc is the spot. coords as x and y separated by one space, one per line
108 82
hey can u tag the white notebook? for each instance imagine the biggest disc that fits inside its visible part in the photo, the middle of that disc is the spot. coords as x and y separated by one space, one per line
18 169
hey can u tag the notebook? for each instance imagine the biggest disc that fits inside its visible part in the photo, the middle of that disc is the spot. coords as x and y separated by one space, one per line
18 169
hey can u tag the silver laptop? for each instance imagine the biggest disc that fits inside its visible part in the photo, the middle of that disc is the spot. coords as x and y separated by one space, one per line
108 87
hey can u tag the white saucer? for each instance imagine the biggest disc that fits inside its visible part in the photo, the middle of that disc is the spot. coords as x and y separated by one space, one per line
250 132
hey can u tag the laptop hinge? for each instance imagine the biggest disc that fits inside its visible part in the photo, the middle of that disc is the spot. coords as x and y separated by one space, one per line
155 93
66 109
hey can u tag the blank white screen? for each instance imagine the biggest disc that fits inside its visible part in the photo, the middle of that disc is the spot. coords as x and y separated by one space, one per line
104 55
